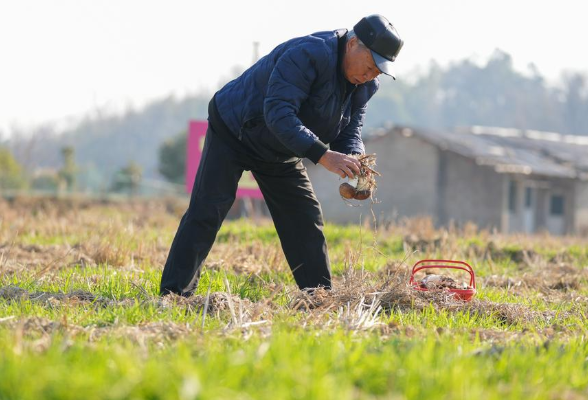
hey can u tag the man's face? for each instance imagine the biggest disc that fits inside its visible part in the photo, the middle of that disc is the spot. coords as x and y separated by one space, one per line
358 63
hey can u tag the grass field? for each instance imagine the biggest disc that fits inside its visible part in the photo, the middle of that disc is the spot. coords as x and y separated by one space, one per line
80 317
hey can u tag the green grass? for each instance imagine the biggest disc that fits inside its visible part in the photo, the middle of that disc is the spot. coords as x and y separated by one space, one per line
128 344
292 364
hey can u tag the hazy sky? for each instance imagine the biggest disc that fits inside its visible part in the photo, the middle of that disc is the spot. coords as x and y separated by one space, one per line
63 58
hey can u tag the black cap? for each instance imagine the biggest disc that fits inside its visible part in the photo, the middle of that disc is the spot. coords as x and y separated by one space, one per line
378 34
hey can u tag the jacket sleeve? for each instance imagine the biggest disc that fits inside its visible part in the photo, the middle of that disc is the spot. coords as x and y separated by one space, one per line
349 141
289 86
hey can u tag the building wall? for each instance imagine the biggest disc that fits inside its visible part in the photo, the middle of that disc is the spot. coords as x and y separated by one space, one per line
406 188
535 214
560 224
419 179
470 192
581 214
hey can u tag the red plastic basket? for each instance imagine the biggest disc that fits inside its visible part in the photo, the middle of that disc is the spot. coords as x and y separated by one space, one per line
463 294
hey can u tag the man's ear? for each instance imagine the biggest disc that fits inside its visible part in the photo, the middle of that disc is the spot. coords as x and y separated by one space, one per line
351 42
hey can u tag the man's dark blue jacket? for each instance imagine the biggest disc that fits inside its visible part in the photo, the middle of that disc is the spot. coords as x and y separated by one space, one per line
295 100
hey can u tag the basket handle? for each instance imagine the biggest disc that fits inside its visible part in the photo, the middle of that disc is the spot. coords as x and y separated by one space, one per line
422 264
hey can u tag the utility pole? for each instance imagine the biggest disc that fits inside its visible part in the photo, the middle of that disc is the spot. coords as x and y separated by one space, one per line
255 52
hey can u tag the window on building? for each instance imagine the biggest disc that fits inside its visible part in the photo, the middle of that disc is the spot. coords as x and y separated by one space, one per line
528 197
557 205
512 196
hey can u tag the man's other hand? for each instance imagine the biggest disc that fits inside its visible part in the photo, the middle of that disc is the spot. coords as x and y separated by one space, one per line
340 164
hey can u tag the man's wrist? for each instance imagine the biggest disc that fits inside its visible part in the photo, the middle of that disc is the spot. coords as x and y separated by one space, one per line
316 151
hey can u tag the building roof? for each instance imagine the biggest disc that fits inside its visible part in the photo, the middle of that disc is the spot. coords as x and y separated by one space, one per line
512 150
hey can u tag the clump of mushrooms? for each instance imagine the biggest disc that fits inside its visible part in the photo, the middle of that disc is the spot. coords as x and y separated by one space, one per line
364 185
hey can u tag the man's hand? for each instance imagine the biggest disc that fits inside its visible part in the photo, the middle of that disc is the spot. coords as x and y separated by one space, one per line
340 164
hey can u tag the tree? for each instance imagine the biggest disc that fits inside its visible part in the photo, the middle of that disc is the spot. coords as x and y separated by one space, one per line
576 103
172 158
46 182
67 173
11 175
128 179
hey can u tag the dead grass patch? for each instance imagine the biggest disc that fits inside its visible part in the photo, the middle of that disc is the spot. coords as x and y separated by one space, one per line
359 289
249 259
543 277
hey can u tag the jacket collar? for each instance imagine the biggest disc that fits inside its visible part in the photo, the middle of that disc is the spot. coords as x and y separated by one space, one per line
341 42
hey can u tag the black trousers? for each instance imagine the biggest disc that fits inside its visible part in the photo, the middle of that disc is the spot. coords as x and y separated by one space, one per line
289 196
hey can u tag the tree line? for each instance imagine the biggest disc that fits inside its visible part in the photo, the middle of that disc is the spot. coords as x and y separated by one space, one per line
493 94
463 93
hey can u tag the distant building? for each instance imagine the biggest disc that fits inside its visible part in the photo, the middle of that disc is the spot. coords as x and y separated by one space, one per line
508 179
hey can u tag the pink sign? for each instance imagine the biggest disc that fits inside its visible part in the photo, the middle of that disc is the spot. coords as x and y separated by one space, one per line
196 134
